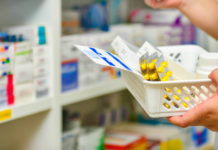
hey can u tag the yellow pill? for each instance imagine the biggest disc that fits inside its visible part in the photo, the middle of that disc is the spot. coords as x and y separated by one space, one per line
176 97
179 91
166 105
143 66
146 76
168 73
154 60
168 90
164 64
151 66
174 104
160 69
167 97
154 76
193 95
185 105
165 78
187 98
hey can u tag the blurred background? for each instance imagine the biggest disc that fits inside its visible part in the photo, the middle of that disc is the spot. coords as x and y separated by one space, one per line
97 23
56 98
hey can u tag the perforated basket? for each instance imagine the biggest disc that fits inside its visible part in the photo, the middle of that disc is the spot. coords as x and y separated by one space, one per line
161 99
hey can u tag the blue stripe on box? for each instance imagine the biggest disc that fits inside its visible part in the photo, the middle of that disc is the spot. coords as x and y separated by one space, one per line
102 57
119 61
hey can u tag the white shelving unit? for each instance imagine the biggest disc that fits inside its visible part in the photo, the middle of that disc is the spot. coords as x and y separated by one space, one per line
37 125
92 91
26 109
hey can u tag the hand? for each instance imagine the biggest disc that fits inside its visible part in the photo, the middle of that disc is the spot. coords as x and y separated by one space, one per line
164 3
204 114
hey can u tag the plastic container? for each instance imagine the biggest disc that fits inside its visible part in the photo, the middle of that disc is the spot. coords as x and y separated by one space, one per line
207 62
162 99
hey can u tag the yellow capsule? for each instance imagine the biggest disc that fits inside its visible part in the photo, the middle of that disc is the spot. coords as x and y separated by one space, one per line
164 64
167 97
154 76
165 78
160 69
185 105
179 91
154 60
168 73
143 66
193 95
174 104
166 105
146 76
151 66
187 98
168 90
176 97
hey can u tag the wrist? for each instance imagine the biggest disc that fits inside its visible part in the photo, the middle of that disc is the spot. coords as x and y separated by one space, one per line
187 5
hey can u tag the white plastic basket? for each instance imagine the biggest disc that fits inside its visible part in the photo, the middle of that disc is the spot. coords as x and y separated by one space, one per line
182 95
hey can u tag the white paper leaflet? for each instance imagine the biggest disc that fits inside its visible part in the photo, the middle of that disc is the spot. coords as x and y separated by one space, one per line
103 57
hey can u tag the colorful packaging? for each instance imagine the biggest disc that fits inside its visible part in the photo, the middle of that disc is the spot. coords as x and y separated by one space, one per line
143 66
36 34
69 75
121 140
162 69
151 68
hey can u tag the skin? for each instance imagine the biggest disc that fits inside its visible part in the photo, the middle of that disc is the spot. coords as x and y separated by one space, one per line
204 14
204 114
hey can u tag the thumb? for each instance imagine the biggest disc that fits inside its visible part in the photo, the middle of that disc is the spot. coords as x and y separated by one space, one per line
214 76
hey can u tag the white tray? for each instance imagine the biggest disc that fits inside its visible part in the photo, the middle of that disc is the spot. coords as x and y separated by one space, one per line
150 95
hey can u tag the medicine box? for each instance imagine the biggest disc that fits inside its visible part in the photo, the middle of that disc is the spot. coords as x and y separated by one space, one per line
69 75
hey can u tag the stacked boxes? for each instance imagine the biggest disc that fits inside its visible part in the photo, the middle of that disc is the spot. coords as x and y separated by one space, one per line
6 76
23 72
164 27
35 34
38 63
77 69
41 70
24 64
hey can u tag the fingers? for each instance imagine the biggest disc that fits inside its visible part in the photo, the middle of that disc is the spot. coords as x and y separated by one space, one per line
163 3
203 114
194 116
150 3
214 76
213 128
156 4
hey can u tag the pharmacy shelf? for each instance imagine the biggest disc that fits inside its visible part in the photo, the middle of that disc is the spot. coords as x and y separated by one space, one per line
92 91
26 109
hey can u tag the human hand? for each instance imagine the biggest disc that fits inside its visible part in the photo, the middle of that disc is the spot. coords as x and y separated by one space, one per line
164 3
204 114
